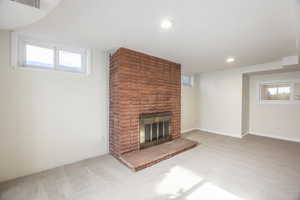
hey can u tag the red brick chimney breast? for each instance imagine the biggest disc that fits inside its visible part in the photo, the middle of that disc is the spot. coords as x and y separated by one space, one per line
140 84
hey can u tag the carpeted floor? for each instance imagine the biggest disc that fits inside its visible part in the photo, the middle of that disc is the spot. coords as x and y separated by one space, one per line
221 168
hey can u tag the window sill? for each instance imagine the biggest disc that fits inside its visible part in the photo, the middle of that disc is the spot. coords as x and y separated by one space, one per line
280 102
45 69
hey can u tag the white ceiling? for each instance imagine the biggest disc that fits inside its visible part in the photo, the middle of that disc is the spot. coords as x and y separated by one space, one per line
204 32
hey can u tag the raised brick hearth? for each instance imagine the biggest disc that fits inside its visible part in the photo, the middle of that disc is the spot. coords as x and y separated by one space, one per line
138 160
140 84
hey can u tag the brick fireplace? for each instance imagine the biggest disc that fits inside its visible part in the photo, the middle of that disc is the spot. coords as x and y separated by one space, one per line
140 85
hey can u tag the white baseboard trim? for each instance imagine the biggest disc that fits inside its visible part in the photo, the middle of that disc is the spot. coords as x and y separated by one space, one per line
244 134
189 130
219 133
275 137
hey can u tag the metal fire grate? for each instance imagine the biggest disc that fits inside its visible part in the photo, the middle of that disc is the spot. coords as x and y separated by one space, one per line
32 3
154 129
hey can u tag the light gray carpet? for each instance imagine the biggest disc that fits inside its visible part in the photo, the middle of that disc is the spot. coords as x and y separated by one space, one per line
220 168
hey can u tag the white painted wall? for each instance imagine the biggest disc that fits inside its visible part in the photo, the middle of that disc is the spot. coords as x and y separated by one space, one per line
298 26
220 95
15 15
274 120
245 105
188 108
48 118
220 101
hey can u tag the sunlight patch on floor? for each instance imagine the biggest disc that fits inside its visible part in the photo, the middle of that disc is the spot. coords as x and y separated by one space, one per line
211 192
178 181
182 183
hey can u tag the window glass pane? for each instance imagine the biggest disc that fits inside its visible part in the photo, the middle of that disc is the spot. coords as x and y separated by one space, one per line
276 92
39 56
70 60
187 80
297 91
272 91
284 90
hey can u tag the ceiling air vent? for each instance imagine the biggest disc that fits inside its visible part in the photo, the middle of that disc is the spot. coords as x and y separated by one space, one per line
32 3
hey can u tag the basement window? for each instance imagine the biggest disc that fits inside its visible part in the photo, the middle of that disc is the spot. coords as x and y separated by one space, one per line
38 56
70 61
187 80
280 92
28 53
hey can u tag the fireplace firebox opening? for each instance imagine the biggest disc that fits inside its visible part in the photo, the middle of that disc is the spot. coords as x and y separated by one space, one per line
155 129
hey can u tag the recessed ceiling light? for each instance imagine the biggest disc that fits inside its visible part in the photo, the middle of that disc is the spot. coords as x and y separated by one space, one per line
166 24
230 60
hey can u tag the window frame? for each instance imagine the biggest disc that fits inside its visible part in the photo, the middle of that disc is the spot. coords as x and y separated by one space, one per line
291 83
18 55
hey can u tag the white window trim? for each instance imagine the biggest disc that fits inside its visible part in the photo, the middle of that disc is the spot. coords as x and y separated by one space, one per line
18 55
291 82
